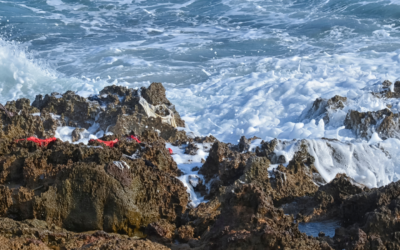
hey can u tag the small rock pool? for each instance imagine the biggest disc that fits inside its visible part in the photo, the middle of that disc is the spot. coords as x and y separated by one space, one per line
313 228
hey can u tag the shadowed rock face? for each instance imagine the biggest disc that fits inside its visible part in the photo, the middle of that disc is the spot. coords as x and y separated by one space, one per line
371 220
225 163
83 188
327 201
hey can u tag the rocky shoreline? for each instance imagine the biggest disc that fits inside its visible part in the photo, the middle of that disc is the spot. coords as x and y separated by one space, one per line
78 193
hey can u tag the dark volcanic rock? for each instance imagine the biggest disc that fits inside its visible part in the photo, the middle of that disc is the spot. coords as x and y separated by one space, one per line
267 150
283 183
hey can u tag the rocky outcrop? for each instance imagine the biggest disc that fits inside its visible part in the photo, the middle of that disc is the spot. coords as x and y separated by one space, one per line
23 124
326 203
322 108
81 187
224 163
364 124
116 109
53 194
37 234
371 220
244 217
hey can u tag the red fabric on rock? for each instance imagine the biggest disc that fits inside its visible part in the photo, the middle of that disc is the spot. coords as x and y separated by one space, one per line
39 142
108 143
135 138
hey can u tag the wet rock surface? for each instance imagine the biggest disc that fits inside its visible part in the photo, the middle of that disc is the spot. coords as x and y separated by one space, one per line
363 124
128 196
323 108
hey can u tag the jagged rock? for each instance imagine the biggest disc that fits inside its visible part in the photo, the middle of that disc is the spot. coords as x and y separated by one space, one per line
91 188
397 87
162 232
321 108
202 217
363 124
371 220
185 233
159 155
76 134
76 110
225 163
155 94
207 139
244 143
118 110
283 183
23 124
267 150
191 149
150 136
386 84
88 197
248 220
326 202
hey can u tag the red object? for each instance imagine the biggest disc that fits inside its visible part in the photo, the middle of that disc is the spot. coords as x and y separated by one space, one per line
170 151
108 143
39 142
135 138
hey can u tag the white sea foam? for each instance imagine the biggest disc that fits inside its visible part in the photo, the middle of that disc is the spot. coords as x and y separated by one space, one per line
186 163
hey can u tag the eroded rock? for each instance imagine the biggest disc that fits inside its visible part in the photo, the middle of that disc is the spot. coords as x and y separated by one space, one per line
82 187
364 124
36 234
